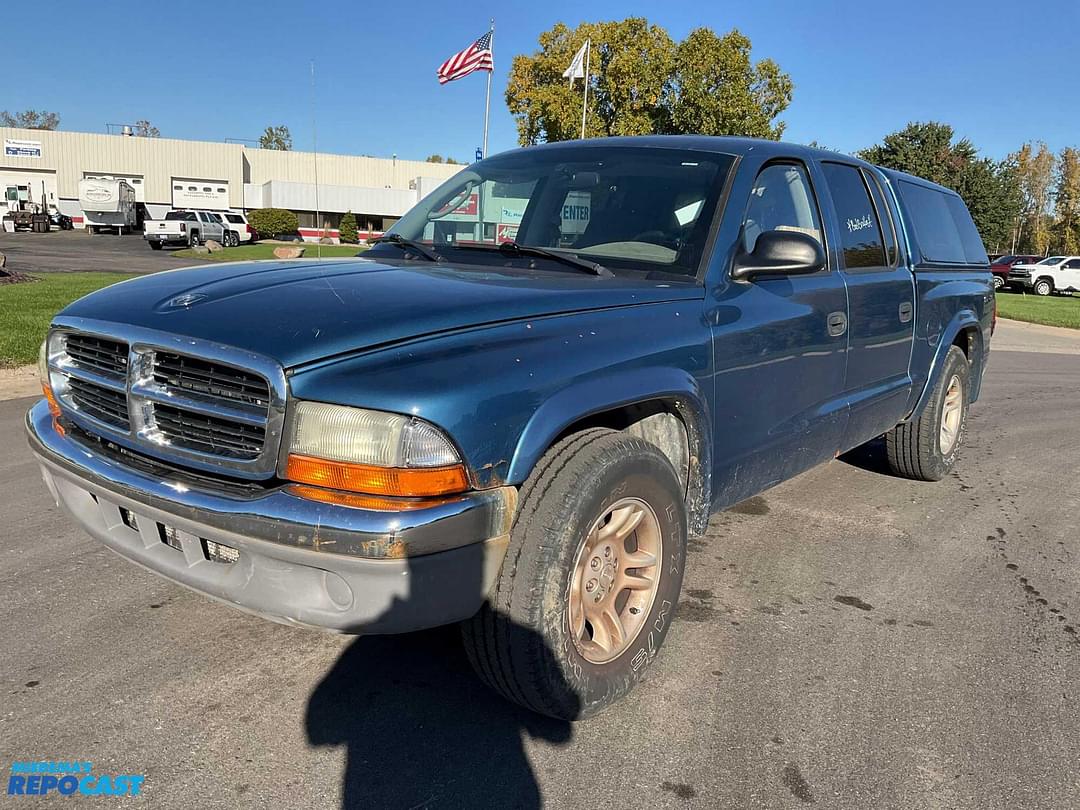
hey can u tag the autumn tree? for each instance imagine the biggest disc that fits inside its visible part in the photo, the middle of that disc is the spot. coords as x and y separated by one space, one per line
642 82
1035 175
278 138
30 119
931 150
1067 202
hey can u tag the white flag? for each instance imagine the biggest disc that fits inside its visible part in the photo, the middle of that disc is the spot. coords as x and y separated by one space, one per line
577 66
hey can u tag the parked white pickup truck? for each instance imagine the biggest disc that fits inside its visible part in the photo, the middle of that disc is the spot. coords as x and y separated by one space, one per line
1053 274
189 228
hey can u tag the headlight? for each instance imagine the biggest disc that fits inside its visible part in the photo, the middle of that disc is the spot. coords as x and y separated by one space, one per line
372 452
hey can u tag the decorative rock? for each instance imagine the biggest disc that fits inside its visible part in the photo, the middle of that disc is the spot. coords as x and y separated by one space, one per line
200 249
213 246
289 252
3 259
326 240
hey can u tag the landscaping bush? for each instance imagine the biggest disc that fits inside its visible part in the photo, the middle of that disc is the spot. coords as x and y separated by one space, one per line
273 222
347 230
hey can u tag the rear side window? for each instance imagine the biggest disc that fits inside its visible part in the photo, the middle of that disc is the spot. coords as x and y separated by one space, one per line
943 226
888 227
233 218
860 232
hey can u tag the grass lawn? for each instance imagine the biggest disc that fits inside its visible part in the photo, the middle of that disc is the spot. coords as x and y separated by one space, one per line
245 253
1053 310
26 310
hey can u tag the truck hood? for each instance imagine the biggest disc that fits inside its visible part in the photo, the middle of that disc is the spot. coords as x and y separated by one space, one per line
299 312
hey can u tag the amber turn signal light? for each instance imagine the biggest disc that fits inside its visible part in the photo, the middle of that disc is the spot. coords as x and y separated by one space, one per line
416 482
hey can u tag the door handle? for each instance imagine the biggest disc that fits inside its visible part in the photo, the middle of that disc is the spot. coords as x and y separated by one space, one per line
837 324
906 311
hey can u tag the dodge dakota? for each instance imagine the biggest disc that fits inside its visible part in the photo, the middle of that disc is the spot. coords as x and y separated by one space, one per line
515 409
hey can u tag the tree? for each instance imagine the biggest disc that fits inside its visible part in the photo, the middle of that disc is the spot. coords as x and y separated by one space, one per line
144 129
1067 202
717 90
1035 176
642 82
433 159
278 138
30 119
347 230
271 223
930 150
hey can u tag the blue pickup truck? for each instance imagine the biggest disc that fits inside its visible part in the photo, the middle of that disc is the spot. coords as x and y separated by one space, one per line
515 409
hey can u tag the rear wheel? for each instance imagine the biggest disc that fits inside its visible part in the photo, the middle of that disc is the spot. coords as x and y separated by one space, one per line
155 245
194 240
590 580
1043 286
926 447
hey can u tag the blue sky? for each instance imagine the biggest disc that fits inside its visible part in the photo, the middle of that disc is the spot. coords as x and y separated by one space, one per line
861 68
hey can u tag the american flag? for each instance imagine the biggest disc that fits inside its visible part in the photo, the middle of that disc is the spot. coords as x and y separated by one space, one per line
476 57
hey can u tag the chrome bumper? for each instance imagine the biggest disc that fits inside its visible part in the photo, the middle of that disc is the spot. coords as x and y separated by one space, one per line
301 561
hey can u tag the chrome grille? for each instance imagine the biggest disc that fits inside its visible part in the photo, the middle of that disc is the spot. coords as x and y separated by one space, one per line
186 401
99 402
207 434
198 376
100 355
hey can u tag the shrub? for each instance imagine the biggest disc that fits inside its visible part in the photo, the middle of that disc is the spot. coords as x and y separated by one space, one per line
347 230
273 222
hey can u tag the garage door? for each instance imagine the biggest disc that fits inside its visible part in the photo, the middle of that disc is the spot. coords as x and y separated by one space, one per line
27 185
192 193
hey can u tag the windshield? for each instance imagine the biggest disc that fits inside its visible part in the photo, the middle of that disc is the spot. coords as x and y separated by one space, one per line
1053 260
1005 259
634 210
183 216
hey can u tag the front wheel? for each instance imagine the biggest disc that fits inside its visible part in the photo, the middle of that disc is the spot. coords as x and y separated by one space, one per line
1043 287
590 581
999 282
926 447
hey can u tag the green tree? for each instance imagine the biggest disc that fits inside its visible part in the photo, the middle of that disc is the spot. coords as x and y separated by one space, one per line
433 159
30 119
144 129
278 138
1067 202
271 223
930 150
718 90
347 230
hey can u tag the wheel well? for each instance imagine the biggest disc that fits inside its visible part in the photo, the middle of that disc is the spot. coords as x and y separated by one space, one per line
965 339
669 424
1047 279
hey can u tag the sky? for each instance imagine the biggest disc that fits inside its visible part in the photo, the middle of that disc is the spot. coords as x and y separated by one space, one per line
861 68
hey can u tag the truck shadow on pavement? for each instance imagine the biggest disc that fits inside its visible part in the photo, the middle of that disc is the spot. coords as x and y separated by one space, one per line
419 727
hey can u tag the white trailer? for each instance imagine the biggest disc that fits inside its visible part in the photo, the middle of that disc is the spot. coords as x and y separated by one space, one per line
108 204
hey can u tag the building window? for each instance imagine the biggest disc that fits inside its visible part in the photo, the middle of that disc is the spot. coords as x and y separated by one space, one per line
177 188
222 191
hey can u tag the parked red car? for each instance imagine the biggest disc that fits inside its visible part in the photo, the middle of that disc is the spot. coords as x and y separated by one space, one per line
1001 266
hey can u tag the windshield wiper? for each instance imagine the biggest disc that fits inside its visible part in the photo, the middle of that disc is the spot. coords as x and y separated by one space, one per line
514 249
400 241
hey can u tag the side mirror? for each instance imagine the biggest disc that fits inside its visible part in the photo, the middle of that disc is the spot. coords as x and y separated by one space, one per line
780 253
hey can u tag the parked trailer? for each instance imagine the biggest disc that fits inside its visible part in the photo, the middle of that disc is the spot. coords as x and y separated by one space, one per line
108 204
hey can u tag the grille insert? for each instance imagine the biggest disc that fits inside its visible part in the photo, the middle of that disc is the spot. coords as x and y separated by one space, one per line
208 434
101 355
100 403
215 380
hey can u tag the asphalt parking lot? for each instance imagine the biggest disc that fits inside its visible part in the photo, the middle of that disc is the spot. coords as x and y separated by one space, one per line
847 639
78 251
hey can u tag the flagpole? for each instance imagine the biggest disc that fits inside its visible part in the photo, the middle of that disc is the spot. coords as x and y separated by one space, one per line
487 100
585 100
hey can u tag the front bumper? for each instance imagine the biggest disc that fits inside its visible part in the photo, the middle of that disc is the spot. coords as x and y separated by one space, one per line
304 562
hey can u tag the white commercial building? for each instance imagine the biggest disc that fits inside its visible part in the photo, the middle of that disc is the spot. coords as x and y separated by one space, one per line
168 174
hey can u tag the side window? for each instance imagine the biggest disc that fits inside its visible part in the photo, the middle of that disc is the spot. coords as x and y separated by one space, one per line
781 201
860 232
888 225
1073 264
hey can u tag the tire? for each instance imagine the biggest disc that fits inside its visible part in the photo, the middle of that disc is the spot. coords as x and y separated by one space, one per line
999 282
155 245
1043 287
194 240
521 643
918 449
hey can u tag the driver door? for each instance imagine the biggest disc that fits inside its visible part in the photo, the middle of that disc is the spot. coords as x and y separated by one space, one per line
779 344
